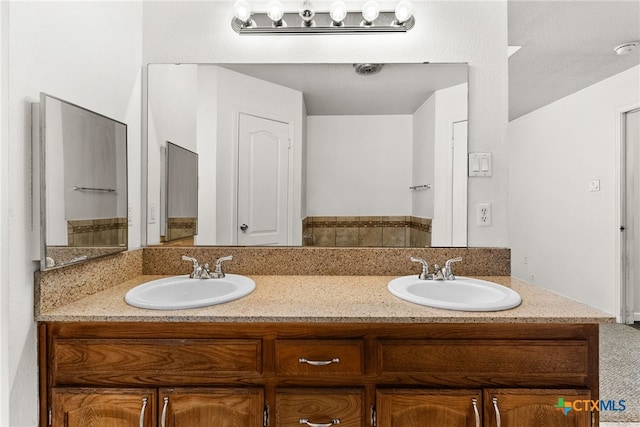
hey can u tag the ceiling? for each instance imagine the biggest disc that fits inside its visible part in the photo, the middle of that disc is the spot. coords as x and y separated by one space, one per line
336 89
566 46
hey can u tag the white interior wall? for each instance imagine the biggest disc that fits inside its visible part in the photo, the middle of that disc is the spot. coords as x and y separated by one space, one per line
450 107
461 31
5 338
239 93
357 165
88 53
207 131
172 116
562 236
423 158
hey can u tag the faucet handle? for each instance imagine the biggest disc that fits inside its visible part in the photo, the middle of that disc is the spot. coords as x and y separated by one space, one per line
196 265
188 258
447 268
218 273
425 268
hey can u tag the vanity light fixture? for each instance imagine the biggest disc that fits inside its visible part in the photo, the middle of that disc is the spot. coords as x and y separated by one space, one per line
338 20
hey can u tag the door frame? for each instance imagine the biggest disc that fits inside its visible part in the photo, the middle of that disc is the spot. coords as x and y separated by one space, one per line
235 167
624 290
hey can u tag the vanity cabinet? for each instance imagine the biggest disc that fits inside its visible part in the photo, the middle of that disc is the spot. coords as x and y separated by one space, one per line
185 407
72 407
518 407
289 374
476 408
321 407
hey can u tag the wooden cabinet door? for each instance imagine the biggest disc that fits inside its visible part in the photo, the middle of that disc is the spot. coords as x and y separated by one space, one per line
536 408
103 407
319 407
428 408
233 407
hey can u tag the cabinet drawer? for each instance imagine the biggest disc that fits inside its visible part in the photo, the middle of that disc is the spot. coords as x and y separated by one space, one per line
531 361
163 361
295 407
319 357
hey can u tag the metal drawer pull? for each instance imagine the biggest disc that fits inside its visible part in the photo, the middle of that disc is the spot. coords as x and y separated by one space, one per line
163 421
310 424
143 410
474 402
319 362
495 406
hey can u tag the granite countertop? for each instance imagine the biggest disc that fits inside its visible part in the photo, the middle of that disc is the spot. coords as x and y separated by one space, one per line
347 299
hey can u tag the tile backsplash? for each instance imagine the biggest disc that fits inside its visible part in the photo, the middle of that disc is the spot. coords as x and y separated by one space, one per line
367 231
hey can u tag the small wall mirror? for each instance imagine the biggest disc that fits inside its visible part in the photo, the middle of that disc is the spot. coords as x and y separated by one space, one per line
83 183
179 216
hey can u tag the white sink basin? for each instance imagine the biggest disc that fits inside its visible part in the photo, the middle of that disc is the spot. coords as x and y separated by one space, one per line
463 293
179 292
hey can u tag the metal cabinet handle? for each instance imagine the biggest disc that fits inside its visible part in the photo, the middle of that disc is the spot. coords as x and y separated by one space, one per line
495 406
333 422
143 410
244 227
474 402
318 362
163 421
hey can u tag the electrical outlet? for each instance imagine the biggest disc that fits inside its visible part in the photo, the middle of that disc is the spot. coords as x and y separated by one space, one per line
129 216
483 214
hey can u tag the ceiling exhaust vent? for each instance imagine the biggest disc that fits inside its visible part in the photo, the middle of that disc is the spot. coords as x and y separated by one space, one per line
367 69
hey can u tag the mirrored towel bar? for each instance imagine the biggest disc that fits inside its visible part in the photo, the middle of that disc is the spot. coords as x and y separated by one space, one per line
107 190
415 187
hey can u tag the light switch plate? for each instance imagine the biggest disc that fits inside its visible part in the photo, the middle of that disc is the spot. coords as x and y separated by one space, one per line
480 164
153 213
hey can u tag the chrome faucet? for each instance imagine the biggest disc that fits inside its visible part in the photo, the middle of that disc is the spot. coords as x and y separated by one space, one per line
439 273
217 272
447 272
425 275
203 272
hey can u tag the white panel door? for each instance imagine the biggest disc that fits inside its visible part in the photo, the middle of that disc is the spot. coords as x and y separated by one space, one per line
263 181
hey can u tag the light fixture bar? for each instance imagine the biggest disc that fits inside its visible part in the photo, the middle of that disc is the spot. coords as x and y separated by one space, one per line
260 24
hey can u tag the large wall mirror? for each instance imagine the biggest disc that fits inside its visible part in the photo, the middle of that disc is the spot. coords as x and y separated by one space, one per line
83 179
370 155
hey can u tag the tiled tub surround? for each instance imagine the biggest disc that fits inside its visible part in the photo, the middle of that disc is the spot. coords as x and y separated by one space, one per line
58 287
179 228
97 232
366 231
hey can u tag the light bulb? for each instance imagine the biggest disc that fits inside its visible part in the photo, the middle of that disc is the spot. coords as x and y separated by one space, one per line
242 10
338 11
404 11
370 11
307 13
275 11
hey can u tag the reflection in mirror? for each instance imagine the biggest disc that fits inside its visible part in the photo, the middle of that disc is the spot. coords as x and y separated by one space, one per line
316 154
179 213
83 180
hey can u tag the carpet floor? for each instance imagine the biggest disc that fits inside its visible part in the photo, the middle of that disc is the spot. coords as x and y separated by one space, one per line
620 371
